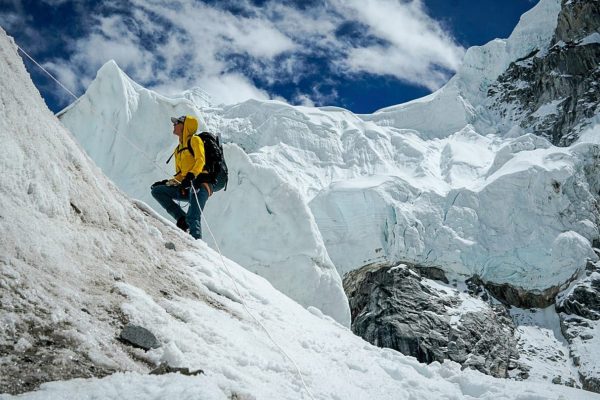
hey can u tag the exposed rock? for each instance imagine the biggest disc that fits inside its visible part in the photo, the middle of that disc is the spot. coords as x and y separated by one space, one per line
554 93
48 354
437 274
579 311
139 337
577 19
591 383
396 307
165 368
519 297
583 301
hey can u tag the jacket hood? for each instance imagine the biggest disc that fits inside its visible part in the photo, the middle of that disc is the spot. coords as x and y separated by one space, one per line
190 126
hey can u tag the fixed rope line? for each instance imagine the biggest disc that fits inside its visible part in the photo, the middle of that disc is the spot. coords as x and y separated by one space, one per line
46 71
201 215
242 297
113 127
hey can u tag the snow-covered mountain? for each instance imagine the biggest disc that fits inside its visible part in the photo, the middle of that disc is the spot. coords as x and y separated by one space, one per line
466 180
464 185
79 259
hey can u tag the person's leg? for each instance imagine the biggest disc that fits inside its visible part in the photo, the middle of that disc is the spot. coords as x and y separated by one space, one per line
194 213
165 195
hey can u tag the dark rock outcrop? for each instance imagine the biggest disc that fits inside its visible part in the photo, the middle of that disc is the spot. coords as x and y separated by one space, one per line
577 19
554 93
516 296
579 312
396 307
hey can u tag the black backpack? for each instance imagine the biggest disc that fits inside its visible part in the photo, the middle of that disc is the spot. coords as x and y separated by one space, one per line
215 166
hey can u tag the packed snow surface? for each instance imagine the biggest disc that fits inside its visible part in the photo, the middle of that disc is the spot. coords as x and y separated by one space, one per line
79 258
542 346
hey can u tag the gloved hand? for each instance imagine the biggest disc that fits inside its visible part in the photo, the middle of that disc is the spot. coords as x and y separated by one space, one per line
158 183
187 181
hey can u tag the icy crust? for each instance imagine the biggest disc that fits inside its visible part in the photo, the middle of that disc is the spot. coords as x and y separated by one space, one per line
516 211
260 221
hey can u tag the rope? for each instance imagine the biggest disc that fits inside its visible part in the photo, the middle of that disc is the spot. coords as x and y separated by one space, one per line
202 217
49 74
242 297
113 127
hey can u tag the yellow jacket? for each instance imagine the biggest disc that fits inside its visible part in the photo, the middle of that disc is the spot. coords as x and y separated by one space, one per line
184 160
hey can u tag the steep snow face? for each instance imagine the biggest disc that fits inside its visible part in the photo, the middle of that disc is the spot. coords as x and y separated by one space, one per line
79 259
483 64
260 220
463 100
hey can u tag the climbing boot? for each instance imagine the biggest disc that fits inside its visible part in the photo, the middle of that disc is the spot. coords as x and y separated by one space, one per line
181 224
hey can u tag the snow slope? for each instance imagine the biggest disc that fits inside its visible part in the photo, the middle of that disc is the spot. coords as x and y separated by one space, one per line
79 259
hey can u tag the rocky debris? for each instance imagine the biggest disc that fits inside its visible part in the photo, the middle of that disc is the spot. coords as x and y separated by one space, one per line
165 368
139 337
554 93
170 245
579 312
41 352
558 380
396 307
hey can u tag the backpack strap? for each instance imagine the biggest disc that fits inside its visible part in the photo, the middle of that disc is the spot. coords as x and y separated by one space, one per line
171 156
189 146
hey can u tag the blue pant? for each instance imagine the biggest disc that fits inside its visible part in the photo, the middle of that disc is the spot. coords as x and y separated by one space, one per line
166 194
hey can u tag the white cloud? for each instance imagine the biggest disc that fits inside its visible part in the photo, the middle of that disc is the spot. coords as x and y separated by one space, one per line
304 100
224 89
415 48
64 75
222 52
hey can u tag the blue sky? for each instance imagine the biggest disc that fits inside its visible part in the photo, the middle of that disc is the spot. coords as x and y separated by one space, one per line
358 54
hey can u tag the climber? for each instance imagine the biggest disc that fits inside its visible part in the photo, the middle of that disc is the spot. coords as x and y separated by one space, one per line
189 165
